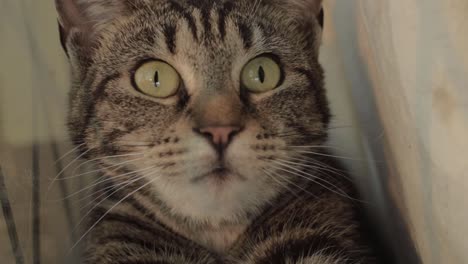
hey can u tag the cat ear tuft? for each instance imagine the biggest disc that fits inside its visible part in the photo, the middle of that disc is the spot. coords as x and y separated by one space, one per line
311 7
310 14
69 14
87 16
306 10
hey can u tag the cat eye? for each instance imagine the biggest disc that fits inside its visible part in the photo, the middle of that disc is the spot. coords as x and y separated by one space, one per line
261 74
157 79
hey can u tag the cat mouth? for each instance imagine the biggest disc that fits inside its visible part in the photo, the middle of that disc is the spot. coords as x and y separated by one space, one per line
218 174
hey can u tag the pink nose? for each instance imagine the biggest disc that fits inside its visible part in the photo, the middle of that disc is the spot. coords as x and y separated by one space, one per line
220 135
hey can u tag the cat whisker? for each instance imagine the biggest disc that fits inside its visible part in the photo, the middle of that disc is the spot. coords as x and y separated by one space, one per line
133 141
93 194
331 156
312 160
110 209
104 176
292 183
286 133
57 177
98 170
99 159
65 168
114 185
103 180
339 127
297 128
313 164
125 184
312 146
286 187
297 134
71 163
287 136
290 169
69 152
136 145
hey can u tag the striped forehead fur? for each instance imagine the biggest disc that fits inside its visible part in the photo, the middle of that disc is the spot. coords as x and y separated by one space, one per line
97 13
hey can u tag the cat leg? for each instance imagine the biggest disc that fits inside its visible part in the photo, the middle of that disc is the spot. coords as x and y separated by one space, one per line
315 229
305 248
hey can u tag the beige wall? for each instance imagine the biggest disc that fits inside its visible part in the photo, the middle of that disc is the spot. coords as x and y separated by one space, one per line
415 56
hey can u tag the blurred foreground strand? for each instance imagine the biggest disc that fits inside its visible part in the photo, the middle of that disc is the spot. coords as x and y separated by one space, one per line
10 221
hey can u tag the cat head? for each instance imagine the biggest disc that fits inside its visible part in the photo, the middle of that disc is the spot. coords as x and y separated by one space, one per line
204 103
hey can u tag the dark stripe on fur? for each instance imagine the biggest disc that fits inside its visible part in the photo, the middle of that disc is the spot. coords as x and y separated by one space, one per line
119 195
307 136
187 16
126 220
156 228
246 35
277 206
160 235
184 98
126 240
205 16
108 146
158 246
134 5
92 102
223 14
205 7
170 35
142 209
147 34
320 96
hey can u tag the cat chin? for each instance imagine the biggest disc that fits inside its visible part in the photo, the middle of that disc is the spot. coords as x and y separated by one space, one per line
231 199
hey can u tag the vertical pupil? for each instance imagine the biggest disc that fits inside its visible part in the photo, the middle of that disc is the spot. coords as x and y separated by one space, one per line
156 79
261 74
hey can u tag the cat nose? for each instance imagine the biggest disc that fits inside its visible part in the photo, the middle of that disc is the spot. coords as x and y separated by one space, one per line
220 136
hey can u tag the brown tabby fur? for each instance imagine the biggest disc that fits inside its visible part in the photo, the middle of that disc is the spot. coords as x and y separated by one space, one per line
284 201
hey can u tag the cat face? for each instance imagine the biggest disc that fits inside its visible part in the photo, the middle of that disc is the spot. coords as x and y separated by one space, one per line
201 101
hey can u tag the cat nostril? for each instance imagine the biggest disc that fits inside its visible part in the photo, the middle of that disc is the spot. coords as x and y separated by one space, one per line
206 134
219 135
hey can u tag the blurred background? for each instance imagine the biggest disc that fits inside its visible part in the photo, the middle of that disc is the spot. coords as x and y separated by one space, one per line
397 78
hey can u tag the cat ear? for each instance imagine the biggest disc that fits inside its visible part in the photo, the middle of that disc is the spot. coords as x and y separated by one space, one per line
86 16
310 14
306 10
306 7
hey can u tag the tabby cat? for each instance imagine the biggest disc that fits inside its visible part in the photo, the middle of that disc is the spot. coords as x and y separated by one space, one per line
209 119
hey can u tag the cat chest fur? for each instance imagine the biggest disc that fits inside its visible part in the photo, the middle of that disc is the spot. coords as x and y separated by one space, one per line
219 240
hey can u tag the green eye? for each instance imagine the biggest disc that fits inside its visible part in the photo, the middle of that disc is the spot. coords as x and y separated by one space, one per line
157 79
261 75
